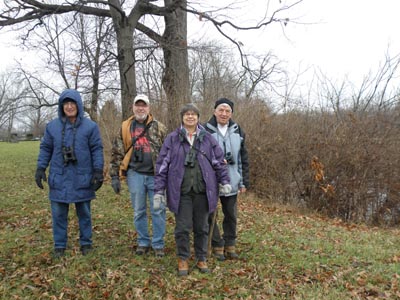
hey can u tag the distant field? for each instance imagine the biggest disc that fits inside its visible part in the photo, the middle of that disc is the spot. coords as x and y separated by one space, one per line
283 254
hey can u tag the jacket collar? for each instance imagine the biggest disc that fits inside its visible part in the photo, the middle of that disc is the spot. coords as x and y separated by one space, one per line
148 120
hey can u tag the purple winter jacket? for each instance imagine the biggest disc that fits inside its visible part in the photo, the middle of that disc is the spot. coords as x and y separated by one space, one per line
170 166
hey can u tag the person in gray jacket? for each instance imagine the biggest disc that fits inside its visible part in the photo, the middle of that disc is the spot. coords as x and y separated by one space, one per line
231 138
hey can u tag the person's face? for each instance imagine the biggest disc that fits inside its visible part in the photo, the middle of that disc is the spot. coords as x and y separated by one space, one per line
223 114
70 109
190 119
141 110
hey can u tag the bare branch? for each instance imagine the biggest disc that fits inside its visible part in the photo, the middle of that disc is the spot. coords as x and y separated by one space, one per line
35 10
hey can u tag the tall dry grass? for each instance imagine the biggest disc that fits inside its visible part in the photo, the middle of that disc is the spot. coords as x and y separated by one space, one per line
345 164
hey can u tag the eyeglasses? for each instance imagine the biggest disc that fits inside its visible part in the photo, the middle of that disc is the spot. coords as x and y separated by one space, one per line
69 103
189 114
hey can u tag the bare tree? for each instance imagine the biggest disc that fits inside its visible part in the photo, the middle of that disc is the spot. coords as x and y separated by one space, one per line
12 90
213 72
36 105
96 65
85 65
171 36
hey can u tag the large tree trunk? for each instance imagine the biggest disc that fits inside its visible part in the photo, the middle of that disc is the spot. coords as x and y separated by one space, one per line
126 60
176 76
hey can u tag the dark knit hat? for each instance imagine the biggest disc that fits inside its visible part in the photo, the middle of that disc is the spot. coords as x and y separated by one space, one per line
189 107
223 101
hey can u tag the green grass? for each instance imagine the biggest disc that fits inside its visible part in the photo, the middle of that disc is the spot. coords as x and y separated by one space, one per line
283 254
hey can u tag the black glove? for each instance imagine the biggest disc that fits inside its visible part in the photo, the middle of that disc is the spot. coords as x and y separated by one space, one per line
116 184
39 176
97 179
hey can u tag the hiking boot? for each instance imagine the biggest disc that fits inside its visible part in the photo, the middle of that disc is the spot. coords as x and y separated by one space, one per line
183 267
159 252
85 249
218 252
202 266
230 252
140 250
59 252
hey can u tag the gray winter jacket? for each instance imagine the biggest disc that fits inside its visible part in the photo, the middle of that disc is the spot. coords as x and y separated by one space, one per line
233 144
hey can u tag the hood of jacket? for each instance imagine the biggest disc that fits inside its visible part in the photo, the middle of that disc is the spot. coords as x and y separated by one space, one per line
74 96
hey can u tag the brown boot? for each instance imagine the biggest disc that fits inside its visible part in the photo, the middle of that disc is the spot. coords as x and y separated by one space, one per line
230 252
183 267
202 266
219 253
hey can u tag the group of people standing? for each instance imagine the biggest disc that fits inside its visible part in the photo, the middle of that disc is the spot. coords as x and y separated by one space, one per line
186 170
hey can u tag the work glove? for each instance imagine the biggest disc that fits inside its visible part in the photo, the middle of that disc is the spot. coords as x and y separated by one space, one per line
39 176
158 200
116 184
97 179
225 188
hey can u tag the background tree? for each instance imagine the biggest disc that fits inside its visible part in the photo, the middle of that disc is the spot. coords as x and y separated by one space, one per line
12 93
171 36
86 64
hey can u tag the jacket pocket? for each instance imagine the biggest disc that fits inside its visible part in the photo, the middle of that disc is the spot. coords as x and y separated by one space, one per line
56 180
83 179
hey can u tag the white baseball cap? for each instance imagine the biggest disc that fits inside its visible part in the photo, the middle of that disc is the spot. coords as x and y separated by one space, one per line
141 97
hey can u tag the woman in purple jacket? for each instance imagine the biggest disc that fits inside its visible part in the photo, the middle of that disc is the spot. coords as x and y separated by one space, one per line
191 169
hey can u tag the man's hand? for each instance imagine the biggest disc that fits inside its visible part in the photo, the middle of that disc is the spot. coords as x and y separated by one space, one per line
116 184
225 188
39 176
97 179
158 200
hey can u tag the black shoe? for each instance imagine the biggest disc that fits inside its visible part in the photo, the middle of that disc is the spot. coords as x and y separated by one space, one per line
140 250
59 252
85 249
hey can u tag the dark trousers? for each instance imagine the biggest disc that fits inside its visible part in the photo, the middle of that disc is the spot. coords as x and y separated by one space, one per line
229 209
193 213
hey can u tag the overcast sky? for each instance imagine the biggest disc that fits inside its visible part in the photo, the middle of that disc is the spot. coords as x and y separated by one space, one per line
349 37
340 37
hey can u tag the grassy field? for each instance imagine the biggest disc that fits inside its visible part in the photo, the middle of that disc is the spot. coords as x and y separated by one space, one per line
283 254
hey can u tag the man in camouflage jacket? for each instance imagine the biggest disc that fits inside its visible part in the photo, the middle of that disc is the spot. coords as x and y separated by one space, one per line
134 155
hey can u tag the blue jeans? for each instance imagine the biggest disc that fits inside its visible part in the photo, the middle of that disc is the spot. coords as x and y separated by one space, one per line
140 187
59 213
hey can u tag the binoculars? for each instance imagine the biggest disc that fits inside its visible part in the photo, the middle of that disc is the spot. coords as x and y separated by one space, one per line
138 155
190 159
229 158
68 155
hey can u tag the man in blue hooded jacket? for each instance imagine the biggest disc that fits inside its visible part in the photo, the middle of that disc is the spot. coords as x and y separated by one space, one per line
73 148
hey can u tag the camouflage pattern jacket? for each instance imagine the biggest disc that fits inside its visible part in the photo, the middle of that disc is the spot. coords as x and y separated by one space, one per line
122 147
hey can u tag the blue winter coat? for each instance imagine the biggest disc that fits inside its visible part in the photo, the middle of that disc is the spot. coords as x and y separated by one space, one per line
71 183
170 166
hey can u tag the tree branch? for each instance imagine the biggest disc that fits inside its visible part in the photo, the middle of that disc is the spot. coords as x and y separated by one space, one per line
38 10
